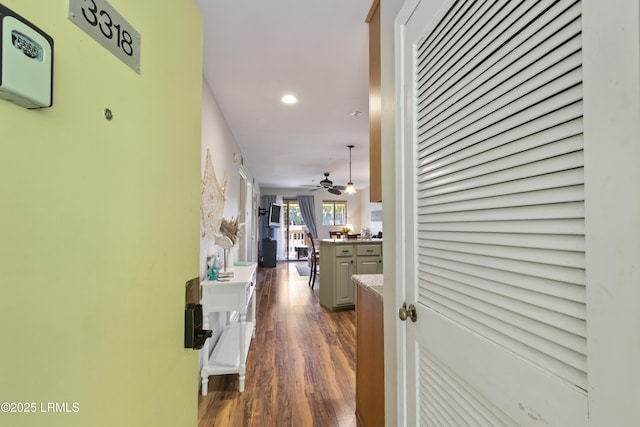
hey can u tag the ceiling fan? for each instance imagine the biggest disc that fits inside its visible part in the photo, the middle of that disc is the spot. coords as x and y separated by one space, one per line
328 184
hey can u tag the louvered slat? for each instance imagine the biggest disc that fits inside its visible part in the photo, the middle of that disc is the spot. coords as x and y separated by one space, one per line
552 211
553 226
496 112
541 256
540 197
497 92
537 241
518 72
573 276
441 39
537 291
481 131
488 31
456 396
526 346
535 137
540 130
554 329
447 400
447 35
555 164
548 309
502 159
499 183
572 177
490 62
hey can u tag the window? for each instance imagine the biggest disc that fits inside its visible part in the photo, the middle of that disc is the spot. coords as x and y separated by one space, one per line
294 215
334 213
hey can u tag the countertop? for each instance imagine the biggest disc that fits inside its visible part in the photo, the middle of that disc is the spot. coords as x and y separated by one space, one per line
374 283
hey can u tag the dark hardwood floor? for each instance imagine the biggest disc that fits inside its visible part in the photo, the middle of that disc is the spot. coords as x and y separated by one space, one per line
301 364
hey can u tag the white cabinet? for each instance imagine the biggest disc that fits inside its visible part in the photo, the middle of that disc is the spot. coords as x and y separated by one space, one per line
229 355
339 260
369 258
369 265
343 288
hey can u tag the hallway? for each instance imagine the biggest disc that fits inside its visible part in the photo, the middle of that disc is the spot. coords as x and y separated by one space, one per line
301 364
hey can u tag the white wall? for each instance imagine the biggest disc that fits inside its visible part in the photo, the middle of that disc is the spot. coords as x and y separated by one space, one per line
367 208
218 139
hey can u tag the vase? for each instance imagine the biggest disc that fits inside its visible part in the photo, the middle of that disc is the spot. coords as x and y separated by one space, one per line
230 260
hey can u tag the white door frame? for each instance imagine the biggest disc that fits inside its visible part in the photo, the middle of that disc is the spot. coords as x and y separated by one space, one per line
244 215
256 221
611 66
403 217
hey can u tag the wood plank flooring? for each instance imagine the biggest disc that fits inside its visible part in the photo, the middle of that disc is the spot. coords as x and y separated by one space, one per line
301 364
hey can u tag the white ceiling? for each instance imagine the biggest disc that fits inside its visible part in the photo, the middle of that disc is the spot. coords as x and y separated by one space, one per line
255 51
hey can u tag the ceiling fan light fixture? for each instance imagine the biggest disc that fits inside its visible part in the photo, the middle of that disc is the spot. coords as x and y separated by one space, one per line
350 188
326 182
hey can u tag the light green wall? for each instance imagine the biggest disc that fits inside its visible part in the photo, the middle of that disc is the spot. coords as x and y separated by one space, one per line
99 225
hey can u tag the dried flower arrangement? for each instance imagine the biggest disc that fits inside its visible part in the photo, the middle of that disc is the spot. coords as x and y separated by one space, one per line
231 229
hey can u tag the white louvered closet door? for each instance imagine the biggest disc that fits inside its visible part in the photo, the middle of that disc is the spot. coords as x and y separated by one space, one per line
492 159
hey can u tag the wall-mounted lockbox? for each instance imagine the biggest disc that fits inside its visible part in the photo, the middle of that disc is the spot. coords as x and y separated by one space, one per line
26 62
194 335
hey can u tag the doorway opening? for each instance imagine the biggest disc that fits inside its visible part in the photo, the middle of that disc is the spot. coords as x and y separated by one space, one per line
294 231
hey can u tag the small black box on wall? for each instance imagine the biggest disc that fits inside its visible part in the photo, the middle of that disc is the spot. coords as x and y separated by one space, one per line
194 335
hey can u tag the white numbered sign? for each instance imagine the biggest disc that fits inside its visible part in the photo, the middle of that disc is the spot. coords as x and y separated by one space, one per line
102 22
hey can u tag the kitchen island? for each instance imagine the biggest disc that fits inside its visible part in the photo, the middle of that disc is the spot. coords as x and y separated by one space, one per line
339 260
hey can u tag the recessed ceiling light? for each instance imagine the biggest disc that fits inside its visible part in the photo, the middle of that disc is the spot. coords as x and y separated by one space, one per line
356 113
289 99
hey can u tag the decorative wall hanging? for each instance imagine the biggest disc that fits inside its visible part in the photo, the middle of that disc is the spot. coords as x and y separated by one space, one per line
222 232
214 196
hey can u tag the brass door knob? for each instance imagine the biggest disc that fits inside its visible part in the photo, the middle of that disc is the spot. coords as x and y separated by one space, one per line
410 312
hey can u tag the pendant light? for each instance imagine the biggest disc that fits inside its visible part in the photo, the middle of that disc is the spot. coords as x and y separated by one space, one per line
350 188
